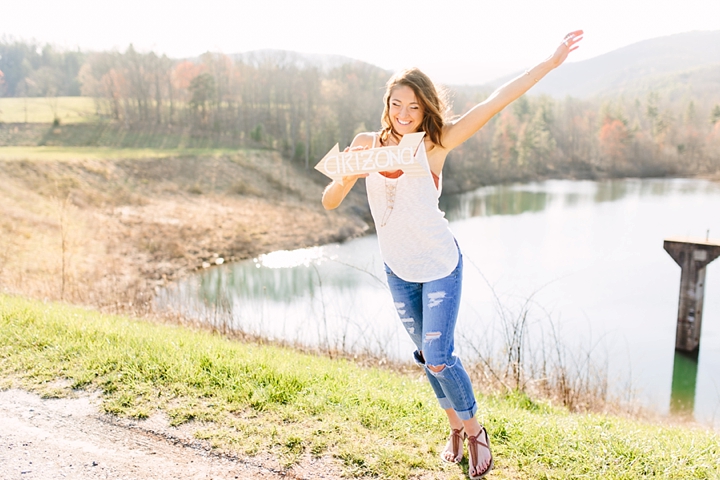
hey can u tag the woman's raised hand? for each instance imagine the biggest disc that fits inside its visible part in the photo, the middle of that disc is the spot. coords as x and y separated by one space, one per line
358 175
334 194
568 45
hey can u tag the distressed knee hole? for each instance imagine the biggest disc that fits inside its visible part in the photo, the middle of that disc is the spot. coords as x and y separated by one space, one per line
430 336
435 298
436 368
409 324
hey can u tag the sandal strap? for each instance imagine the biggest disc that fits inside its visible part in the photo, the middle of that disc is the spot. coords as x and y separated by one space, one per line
474 441
457 435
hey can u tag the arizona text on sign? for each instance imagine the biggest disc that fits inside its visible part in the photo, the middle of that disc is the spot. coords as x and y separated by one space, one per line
336 164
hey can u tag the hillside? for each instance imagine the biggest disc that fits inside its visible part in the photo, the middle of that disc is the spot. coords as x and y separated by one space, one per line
697 83
645 65
103 227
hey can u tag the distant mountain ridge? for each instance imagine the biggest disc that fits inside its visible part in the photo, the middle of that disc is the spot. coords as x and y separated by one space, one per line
648 64
324 62
684 64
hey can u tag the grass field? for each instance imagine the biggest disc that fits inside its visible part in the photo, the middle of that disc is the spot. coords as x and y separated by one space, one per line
108 134
249 398
106 153
43 110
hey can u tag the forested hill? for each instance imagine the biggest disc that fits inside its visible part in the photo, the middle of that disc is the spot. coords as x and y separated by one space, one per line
649 109
675 64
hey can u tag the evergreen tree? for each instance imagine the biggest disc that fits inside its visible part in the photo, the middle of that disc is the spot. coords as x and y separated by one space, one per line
715 115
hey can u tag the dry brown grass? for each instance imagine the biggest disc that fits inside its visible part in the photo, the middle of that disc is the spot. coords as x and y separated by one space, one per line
52 249
105 233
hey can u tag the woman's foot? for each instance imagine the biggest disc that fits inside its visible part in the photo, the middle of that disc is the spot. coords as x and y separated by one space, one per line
453 451
480 457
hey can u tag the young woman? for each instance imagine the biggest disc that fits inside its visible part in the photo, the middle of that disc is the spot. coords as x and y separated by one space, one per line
422 259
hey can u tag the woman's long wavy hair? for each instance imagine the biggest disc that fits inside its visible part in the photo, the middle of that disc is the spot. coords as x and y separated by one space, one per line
432 100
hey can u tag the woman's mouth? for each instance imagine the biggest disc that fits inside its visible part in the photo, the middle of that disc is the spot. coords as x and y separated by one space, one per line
402 123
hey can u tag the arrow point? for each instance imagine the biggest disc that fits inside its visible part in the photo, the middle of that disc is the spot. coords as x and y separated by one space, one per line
411 139
321 165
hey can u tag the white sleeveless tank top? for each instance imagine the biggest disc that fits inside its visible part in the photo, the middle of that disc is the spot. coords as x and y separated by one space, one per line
414 235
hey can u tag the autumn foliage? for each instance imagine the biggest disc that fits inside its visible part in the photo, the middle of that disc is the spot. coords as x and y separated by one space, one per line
613 139
282 100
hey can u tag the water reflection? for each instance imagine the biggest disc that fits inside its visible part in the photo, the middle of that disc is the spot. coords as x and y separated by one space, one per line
280 277
316 297
684 382
611 191
490 201
536 197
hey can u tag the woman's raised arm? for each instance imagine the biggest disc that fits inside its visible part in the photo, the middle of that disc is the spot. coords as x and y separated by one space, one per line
464 127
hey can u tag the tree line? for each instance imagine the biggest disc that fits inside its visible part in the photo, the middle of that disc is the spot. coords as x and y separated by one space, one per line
283 101
542 137
28 69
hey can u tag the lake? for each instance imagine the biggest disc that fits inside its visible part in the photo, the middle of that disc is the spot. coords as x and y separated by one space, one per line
581 262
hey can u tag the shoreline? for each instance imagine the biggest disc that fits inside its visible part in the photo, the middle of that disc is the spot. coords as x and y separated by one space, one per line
106 233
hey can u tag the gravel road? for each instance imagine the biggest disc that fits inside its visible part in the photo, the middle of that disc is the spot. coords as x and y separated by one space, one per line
69 438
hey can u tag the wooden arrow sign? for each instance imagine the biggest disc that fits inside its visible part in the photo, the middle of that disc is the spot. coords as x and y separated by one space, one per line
336 164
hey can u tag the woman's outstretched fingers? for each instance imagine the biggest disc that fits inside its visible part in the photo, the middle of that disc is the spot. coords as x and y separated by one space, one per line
572 38
568 44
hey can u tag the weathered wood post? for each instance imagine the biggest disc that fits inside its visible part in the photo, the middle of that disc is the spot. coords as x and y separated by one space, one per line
692 256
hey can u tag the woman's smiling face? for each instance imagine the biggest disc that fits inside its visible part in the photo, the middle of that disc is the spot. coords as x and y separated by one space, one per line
406 113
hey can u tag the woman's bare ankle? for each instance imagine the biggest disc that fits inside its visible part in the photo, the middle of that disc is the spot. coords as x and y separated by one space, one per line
472 427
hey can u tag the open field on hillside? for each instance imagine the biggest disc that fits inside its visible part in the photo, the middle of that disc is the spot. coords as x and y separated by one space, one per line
67 110
47 153
113 135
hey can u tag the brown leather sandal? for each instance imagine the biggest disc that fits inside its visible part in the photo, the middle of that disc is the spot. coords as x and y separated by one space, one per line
454 445
473 442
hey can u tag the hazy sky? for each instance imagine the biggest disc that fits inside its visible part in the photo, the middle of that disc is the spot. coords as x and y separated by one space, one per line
454 41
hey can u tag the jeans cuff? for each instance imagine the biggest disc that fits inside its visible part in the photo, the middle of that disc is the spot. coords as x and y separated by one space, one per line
467 414
445 403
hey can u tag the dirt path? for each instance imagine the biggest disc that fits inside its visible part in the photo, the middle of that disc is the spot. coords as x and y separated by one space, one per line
43 439
106 234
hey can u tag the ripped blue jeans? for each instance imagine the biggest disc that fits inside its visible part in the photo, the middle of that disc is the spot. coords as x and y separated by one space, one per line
429 312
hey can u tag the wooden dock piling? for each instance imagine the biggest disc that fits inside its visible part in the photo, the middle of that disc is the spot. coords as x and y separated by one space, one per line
693 256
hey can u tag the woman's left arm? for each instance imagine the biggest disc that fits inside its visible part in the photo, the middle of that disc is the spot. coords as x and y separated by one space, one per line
464 127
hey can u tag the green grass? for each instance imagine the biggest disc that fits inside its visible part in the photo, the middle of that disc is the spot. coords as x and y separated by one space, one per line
114 135
40 110
251 398
106 153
